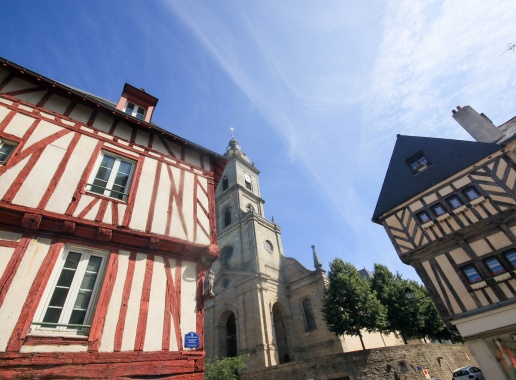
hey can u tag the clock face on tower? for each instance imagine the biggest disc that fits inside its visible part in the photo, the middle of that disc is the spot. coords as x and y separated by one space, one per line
247 178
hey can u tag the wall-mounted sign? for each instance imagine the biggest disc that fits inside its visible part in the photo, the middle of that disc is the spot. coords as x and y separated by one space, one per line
191 340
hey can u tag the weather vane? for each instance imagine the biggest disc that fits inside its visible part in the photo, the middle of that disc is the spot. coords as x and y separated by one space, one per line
510 46
232 133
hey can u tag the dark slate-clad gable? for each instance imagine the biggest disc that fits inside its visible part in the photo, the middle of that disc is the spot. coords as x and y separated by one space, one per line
447 157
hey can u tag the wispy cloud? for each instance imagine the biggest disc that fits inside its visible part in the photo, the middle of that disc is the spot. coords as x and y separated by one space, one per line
338 82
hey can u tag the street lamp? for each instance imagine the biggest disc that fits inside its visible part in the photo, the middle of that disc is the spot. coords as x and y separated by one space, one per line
410 295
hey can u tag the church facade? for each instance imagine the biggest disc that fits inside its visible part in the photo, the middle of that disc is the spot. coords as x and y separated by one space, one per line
262 302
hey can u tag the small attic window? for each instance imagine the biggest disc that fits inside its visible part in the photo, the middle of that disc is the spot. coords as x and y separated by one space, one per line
418 162
135 110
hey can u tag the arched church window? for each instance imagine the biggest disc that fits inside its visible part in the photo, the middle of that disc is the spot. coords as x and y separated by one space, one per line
225 255
227 216
309 315
225 184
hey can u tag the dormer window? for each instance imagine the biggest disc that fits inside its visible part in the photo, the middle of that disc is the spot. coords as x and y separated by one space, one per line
135 110
137 103
418 162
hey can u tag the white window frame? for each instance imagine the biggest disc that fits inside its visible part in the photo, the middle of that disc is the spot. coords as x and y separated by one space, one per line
112 176
9 143
134 112
42 329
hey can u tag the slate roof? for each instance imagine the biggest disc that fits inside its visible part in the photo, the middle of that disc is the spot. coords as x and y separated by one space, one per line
447 157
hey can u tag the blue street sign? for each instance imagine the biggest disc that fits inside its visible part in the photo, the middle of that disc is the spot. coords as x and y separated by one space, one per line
191 340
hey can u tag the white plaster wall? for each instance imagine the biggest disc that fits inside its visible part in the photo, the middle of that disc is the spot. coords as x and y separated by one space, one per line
83 202
107 343
20 286
44 129
155 318
17 84
188 204
176 227
158 145
123 131
19 124
5 255
10 175
103 122
144 195
57 104
32 97
54 348
159 222
133 305
62 195
35 185
173 340
188 298
4 111
204 220
142 138
81 113
193 157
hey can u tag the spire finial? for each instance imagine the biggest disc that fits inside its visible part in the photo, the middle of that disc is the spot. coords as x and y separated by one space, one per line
317 262
232 133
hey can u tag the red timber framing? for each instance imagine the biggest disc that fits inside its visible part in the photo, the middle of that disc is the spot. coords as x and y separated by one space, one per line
111 234
178 365
166 244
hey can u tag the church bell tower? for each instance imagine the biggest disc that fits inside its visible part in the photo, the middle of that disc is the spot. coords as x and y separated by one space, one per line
247 284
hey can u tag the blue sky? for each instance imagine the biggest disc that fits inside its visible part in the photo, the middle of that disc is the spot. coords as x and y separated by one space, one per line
316 90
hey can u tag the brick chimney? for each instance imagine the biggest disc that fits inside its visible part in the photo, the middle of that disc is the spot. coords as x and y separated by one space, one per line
478 126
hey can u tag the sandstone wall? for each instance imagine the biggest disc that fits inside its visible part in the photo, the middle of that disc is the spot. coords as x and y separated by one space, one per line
397 363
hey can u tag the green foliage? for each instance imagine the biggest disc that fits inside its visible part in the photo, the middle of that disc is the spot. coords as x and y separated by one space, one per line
414 320
349 304
224 368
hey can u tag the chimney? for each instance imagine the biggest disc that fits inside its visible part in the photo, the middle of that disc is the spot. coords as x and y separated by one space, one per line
478 126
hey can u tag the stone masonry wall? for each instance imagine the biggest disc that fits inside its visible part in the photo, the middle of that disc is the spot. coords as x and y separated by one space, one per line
397 363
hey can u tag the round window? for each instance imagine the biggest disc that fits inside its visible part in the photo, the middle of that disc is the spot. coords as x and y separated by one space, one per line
226 253
268 246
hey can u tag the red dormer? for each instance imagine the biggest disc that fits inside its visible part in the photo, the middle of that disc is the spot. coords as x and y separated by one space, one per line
137 103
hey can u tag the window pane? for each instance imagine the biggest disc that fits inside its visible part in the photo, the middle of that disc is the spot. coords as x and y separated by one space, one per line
309 315
454 202
5 151
140 112
494 266
423 217
129 108
83 299
77 317
471 193
102 177
439 209
94 264
472 274
511 256
52 315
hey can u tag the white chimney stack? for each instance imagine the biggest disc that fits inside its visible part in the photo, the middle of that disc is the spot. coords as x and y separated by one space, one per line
478 126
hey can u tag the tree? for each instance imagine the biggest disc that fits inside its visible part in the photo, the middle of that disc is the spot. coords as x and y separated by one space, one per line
349 304
418 319
224 368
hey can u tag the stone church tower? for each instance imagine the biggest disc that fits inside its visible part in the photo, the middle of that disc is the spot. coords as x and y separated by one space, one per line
265 304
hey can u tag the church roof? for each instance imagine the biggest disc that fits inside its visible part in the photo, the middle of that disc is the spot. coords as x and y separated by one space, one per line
234 150
444 158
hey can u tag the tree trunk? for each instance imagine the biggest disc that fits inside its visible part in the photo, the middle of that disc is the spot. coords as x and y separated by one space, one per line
403 337
361 341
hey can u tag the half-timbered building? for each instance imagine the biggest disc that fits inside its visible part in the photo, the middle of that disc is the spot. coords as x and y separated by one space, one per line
107 227
448 207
